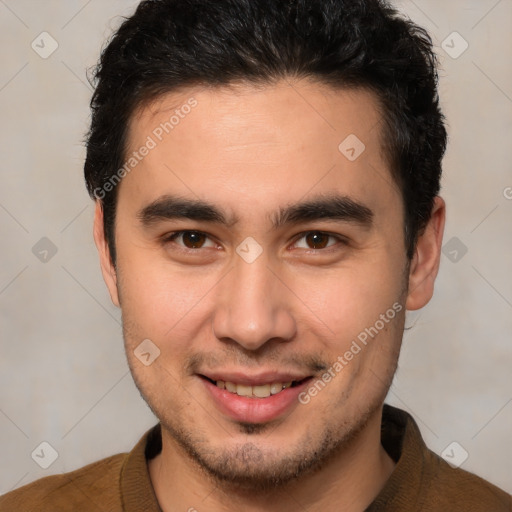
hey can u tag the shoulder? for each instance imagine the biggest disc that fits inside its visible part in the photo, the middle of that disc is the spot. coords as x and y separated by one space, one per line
456 489
424 481
91 488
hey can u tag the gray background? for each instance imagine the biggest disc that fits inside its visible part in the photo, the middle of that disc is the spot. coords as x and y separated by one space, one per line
63 374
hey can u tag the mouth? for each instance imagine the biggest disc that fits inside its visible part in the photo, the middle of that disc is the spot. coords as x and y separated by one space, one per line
258 399
255 391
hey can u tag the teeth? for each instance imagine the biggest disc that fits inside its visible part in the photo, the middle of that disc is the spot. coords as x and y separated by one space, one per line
275 388
229 386
243 390
263 391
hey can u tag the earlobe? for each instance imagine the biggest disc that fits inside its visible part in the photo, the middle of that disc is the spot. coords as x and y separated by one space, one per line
107 267
425 263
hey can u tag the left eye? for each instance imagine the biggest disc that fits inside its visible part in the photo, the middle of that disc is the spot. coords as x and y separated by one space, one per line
316 240
191 239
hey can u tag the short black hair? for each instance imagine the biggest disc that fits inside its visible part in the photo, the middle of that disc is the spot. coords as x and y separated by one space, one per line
169 45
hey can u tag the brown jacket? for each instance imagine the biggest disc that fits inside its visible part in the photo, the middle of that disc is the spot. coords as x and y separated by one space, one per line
421 481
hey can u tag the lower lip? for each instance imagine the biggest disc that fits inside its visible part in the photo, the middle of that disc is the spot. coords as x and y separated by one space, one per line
255 410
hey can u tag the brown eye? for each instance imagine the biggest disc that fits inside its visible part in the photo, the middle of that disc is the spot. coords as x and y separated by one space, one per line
193 239
317 240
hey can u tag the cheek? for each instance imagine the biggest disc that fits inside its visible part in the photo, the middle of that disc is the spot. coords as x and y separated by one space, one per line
345 301
161 303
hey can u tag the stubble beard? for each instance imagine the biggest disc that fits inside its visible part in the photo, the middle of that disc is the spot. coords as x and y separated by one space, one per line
246 467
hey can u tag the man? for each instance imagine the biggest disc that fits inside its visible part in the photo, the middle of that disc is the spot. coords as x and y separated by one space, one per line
266 176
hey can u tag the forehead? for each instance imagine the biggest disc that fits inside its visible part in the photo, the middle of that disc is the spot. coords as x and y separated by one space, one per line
260 144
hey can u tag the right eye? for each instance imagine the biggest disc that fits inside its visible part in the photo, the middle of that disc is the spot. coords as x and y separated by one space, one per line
190 239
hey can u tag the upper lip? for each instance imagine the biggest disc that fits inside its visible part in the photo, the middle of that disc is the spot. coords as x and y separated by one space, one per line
259 379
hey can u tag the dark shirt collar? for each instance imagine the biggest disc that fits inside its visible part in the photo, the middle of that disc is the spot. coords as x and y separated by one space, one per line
398 431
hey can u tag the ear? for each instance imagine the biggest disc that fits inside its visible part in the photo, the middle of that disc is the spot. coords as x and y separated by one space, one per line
107 267
425 262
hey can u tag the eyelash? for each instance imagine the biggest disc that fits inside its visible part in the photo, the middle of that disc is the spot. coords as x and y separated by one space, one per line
338 240
171 237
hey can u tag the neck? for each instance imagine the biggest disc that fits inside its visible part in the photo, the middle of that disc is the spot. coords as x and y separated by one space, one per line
350 481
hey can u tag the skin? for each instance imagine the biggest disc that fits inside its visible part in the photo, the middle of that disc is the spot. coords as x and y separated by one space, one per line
250 152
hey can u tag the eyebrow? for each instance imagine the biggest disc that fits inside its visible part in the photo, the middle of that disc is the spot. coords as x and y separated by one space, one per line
170 207
333 207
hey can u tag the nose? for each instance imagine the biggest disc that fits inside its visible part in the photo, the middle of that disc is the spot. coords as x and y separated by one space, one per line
252 307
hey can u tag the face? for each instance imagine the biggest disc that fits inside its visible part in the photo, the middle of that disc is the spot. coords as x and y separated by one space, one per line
263 261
